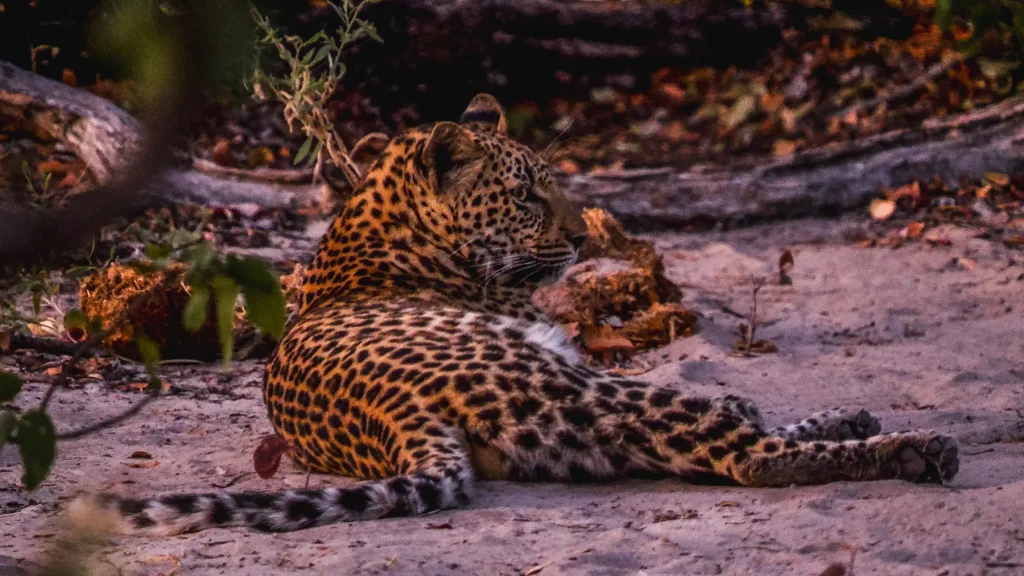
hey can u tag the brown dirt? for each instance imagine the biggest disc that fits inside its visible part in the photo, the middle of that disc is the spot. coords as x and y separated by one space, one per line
906 333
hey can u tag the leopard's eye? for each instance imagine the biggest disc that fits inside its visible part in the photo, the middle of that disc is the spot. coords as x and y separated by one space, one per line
525 193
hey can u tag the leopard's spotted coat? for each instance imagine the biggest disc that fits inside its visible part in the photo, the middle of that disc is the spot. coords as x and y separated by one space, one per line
419 364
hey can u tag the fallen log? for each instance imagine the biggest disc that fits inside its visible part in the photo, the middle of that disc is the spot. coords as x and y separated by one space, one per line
131 170
825 180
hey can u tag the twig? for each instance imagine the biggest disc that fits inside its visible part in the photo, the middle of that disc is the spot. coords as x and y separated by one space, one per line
21 341
113 420
753 315
905 91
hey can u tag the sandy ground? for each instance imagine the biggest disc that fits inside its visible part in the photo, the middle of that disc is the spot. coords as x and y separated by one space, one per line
908 334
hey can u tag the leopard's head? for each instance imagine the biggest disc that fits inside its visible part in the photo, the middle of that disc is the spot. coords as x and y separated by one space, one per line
509 220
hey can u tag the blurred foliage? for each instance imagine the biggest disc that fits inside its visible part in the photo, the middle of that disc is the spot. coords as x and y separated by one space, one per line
314 69
145 39
983 17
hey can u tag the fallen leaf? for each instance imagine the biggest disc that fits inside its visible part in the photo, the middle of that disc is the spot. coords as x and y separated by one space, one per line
786 264
141 454
728 504
605 340
881 209
569 167
673 93
912 190
784 147
143 464
997 179
222 152
834 570
53 167
913 230
965 263
442 526
669 515
261 156
267 457
68 77
536 569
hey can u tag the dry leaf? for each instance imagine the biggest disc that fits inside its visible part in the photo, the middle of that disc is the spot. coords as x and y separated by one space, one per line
834 570
143 464
68 77
443 526
965 263
729 504
997 179
881 209
222 152
267 457
141 454
605 340
786 264
784 147
913 230
5 340
569 167
912 190
536 569
260 157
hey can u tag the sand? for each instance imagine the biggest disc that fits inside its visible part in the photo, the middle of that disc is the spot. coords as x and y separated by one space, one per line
915 336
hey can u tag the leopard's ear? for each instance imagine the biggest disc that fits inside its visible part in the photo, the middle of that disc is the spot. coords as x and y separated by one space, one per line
485 110
448 145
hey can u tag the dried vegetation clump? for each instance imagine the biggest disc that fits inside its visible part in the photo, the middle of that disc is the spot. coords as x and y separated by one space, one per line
128 303
617 300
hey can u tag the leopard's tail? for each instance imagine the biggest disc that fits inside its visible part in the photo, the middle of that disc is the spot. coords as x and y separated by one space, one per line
276 511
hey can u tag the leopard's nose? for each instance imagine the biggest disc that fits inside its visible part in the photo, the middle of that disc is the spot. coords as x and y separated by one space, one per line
577 240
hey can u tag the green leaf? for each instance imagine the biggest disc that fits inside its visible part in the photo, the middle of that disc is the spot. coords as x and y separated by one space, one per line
225 293
264 300
196 309
77 272
320 55
943 13
10 385
371 31
8 422
149 352
303 151
75 318
38 444
158 251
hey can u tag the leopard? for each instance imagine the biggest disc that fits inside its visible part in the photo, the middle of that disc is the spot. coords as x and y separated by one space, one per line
419 364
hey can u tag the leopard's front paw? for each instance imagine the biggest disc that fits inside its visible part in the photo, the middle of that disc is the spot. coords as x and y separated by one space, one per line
859 426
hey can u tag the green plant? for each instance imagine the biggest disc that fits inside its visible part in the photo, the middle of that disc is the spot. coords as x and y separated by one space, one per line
314 68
